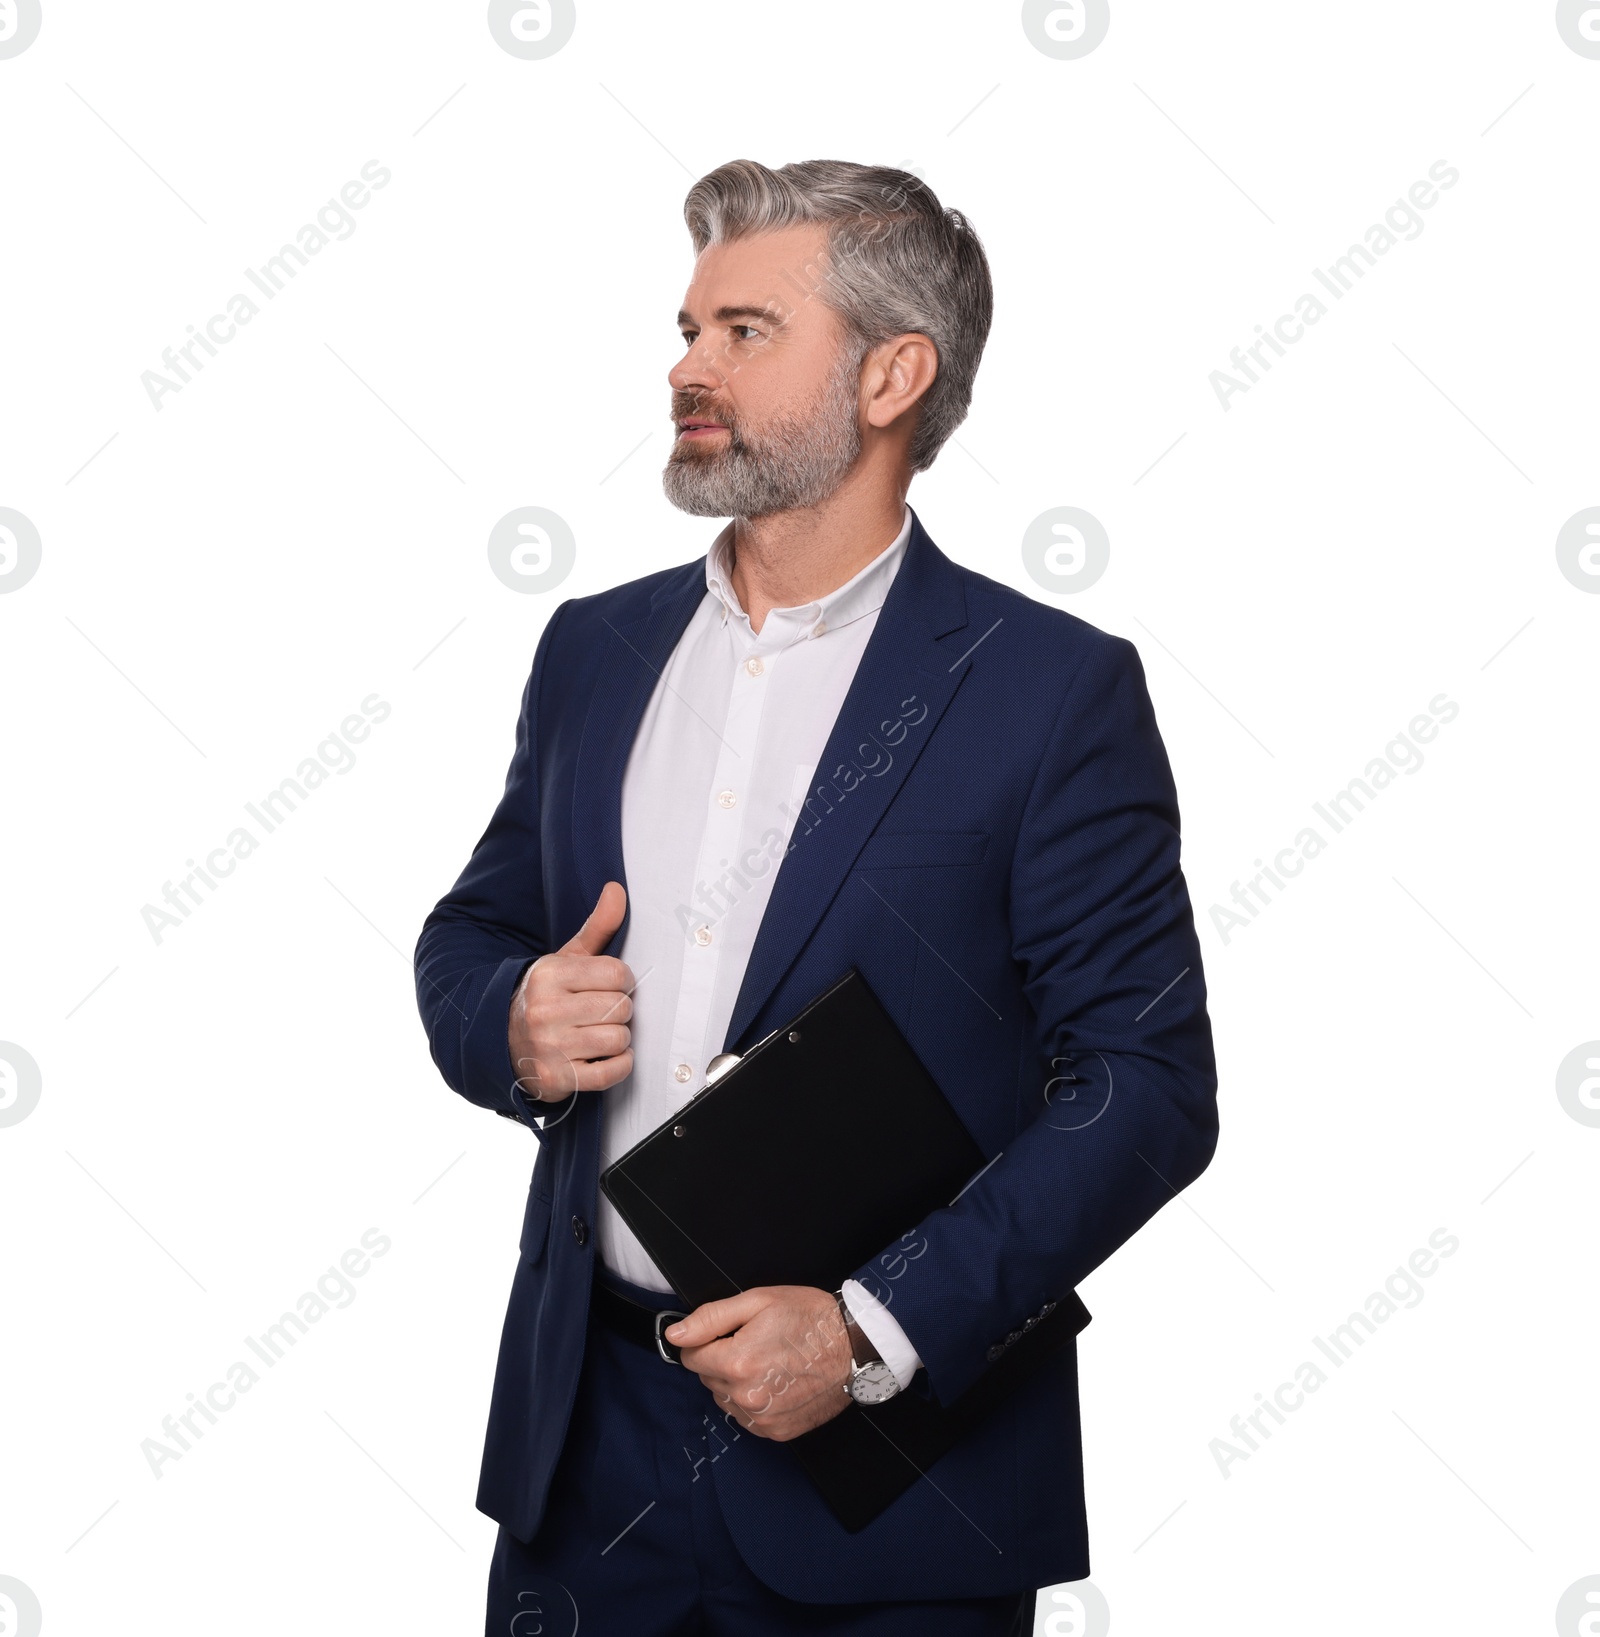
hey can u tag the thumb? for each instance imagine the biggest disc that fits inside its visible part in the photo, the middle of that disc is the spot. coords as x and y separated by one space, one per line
604 919
711 1320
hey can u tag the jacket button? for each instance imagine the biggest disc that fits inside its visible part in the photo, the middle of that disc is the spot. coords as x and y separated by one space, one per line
580 1229
994 1352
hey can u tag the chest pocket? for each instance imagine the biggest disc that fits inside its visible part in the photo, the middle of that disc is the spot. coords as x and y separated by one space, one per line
923 849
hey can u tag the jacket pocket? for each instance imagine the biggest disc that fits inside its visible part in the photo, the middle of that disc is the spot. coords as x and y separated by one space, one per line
535 1226
923 849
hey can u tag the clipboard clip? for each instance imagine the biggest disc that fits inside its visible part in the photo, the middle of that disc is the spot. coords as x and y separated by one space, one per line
719 1065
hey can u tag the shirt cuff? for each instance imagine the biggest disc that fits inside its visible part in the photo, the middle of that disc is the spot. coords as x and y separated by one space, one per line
883 1330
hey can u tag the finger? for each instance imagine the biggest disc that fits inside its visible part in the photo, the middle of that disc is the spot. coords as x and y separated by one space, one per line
757 1407
607 1072
594 1040
711 1361
559 975
553 1079
713 1319
604 919
751 1420
732 1393
590 1006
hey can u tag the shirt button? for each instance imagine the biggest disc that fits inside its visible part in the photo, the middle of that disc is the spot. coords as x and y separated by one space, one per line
754 665
726 798
819 628
580 1229
702 935
682 1073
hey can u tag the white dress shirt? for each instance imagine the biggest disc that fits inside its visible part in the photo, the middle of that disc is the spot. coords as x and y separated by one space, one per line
719 767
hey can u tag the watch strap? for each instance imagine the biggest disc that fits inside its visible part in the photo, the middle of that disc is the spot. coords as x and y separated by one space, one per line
862 1348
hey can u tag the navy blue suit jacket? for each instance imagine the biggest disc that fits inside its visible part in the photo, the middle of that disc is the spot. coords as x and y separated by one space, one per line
992 839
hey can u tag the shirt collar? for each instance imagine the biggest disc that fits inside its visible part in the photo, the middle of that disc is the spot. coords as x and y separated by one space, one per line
863 593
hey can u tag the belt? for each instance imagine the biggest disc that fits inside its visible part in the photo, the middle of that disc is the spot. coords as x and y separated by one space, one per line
634 1321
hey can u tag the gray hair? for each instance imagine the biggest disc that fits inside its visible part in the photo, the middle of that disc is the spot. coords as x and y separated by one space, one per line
898 262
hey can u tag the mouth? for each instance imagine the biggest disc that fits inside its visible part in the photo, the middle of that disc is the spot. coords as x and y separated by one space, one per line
696 429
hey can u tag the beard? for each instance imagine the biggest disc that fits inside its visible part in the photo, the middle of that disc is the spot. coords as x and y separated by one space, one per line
792 462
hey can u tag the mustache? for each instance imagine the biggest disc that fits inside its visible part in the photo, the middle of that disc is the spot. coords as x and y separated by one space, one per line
687 406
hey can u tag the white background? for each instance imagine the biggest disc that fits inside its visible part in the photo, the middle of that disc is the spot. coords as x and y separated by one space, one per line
224 1113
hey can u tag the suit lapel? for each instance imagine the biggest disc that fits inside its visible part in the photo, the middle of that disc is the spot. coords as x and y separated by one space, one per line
635 654
904 676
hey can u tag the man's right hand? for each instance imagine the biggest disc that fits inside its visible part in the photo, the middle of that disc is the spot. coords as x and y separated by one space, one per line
569 1015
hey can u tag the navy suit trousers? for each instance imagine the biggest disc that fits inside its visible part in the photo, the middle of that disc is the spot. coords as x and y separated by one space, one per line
633 1542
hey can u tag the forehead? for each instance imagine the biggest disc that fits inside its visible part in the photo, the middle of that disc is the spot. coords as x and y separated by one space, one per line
782 271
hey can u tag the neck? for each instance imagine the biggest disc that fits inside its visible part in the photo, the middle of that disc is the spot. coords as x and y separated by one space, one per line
787 559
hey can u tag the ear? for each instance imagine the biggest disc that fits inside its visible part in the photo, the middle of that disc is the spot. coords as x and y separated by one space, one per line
896 375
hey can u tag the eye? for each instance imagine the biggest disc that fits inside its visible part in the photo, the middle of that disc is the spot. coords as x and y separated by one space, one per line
750 328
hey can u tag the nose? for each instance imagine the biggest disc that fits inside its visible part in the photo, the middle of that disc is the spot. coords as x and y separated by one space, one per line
697 371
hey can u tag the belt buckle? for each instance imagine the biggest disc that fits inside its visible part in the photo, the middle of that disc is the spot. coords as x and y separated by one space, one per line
665 1348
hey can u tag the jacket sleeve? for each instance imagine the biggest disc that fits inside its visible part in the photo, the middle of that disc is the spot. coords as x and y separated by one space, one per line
488 929
1103 935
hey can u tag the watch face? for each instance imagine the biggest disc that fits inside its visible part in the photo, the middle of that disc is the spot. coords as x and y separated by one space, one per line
873 1383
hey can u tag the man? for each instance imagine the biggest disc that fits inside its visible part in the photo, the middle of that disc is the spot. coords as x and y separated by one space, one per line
824 745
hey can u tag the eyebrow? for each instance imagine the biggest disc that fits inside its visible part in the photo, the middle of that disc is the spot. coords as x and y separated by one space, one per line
725 315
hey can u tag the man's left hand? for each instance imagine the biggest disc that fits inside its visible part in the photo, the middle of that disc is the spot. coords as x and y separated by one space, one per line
784 1367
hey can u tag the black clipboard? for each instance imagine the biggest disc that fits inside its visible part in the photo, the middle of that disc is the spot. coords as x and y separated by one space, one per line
825 1144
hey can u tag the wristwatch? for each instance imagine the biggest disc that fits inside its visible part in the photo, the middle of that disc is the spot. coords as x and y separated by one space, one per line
871 1380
